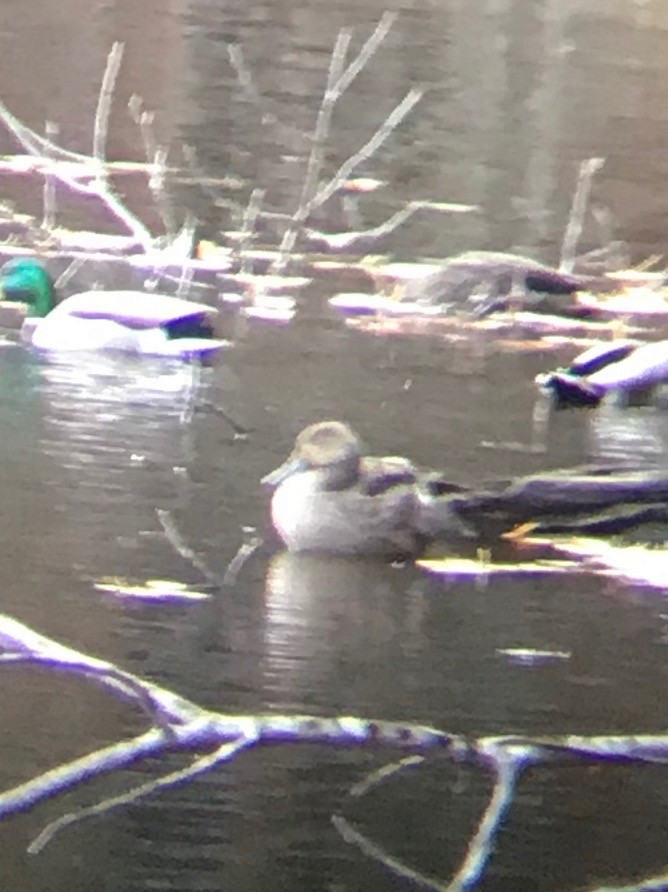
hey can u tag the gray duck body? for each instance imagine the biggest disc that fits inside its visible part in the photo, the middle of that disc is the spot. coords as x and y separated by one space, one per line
482 282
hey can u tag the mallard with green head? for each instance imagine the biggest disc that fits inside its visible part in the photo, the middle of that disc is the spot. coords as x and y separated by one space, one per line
129 321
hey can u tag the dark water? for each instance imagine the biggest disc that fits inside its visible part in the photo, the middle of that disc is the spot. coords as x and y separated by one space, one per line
519 95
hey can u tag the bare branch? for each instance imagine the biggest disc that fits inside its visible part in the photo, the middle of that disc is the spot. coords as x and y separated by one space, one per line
105 98
246 550
343 173
66 777
201 766
248 225
37 145
179 545
373 850
360 240
369 148
369 47
49 215
588 170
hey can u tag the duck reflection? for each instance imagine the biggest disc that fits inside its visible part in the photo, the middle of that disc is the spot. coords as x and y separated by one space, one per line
93 452
335 622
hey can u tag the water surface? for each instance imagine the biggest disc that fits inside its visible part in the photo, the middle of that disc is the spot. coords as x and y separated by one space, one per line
517 97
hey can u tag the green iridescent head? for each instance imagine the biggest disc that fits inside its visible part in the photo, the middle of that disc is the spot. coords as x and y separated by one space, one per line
25 279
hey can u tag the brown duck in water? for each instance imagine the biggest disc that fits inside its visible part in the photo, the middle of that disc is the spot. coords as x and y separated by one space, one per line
481 282
330 497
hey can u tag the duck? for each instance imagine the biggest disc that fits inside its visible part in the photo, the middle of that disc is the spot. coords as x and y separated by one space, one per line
629 369
483 282
328 496
130 321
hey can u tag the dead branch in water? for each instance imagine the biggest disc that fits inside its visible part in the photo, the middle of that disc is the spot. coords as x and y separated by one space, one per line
340 242
91 175
180 724
588 170
83 174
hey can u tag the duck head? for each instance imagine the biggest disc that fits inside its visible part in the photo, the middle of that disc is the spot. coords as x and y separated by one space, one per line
25 280
330 449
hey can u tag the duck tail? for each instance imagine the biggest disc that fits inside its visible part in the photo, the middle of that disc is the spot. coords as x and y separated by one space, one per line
569 389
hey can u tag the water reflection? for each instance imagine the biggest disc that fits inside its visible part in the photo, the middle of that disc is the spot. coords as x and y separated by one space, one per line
96 445
520 94
637 437
327 619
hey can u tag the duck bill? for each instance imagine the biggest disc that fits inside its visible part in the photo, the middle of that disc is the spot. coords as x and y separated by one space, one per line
287 469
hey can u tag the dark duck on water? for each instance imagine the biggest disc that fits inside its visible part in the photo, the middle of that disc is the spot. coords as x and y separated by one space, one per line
483 282
627 369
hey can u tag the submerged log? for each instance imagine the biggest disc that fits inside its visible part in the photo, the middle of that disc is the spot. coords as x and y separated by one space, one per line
596 500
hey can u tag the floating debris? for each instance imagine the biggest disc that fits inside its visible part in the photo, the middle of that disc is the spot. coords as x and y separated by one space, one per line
152 590
271 309
631 302
455 566
647 565
263 284
84 240
365 304
362 184
532 656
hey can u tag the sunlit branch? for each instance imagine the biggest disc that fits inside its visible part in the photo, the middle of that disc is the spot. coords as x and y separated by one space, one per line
49 213
246 550
179 545
181 725
339 78
588 170
343 173
200 766
248 224
379 854
101 125
346 241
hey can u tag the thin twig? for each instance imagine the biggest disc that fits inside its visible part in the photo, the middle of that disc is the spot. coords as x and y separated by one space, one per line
101 126
36 145
481 846
179 544
49 215
575 224
201 766
380 775
240 432
246 550
69 272
372 850
248 226
367 50
372 145
156 156
345 241
339 79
